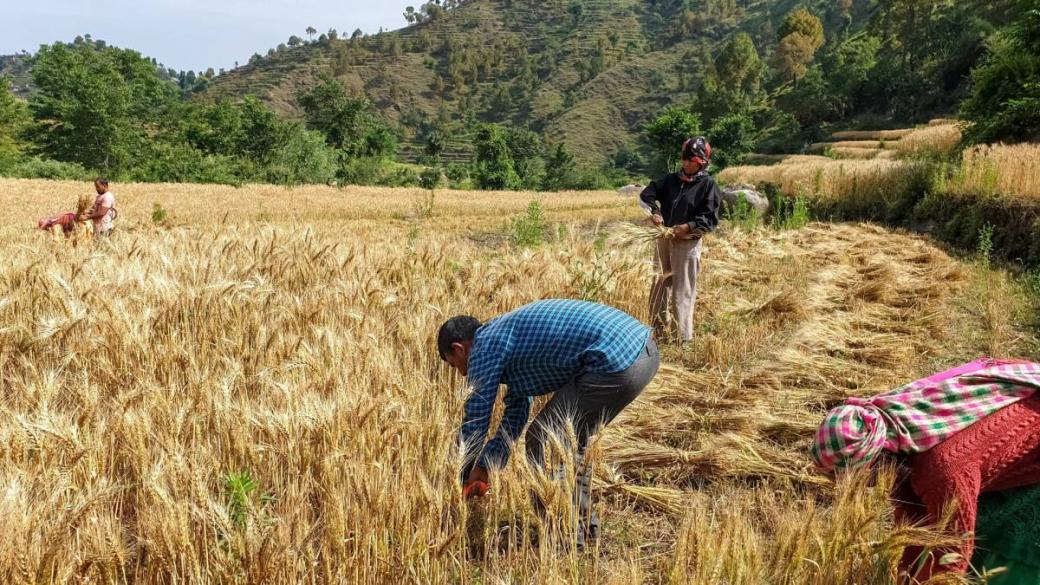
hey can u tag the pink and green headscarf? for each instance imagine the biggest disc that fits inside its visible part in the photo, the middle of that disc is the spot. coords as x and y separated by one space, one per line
922 414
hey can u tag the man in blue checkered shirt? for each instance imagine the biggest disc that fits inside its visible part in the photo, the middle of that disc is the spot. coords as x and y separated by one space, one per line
594 359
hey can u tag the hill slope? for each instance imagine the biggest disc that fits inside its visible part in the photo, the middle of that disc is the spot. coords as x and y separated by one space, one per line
589 73
18 69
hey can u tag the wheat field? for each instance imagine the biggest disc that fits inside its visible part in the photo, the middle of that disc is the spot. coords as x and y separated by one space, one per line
248 391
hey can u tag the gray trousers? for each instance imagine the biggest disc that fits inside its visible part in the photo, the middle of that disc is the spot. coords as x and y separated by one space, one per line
588 403
680 264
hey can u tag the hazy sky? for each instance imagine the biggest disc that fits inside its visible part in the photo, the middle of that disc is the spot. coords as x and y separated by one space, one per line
190 34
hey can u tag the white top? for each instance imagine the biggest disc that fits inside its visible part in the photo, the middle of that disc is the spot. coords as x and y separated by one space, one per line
104 224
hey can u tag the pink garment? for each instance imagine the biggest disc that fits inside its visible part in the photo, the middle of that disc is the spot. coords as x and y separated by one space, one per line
67 221
921 414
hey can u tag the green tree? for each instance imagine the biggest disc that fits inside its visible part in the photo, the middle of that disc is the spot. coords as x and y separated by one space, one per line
96 106
802 22
528 154
302 157
348 122
666 134
801 36
734 83
732 137
14 119
434 147
247 130
813 100
493 165
1005 99
928 48
560 170
849 68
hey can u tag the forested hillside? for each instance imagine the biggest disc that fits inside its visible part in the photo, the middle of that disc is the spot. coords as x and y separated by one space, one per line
592 73
541 95
588 73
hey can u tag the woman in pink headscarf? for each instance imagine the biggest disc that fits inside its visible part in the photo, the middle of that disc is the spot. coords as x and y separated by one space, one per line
967 431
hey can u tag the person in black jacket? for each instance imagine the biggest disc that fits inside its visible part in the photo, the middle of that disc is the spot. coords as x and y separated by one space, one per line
688 201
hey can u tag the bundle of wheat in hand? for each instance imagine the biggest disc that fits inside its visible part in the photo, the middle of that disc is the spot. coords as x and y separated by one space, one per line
643 234
83 205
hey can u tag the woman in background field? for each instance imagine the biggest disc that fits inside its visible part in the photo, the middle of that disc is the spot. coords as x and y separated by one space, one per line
103 214
956 435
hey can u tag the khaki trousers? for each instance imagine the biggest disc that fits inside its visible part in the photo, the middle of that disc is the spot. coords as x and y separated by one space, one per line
680 263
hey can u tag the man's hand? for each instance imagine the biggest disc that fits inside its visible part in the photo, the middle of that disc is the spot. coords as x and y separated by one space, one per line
478 473
682 230
476 484
657 219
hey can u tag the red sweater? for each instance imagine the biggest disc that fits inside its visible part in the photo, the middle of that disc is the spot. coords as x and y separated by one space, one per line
1001 451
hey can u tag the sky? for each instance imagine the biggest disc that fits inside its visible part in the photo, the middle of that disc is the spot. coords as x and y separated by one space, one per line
190 34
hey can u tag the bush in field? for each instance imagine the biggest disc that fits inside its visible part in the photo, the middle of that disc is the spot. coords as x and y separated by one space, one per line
456 173
159 214
399 176
732 137
173 163
529 228
742 214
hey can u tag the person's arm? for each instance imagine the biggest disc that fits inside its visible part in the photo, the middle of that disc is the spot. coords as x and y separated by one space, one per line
960 487
487 362
706 210
101 209
514 419
649 197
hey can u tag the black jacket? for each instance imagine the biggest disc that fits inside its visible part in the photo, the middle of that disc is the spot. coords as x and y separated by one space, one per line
695 203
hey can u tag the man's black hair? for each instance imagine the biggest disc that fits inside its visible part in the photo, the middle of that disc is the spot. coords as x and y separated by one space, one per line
101 181
456 330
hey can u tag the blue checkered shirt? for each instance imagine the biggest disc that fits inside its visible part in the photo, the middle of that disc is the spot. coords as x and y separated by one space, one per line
536 350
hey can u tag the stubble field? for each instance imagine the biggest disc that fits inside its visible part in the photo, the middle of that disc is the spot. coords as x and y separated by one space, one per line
248 391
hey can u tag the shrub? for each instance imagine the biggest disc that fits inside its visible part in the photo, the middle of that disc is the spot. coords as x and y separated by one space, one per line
742 214
158 213
38 168
791 213
431 178
399 176
529 228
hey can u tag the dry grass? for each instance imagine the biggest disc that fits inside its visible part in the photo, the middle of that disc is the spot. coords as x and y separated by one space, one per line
826 178
1000 170
867 144
876 135
190 205
295 349
936 139
855 153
